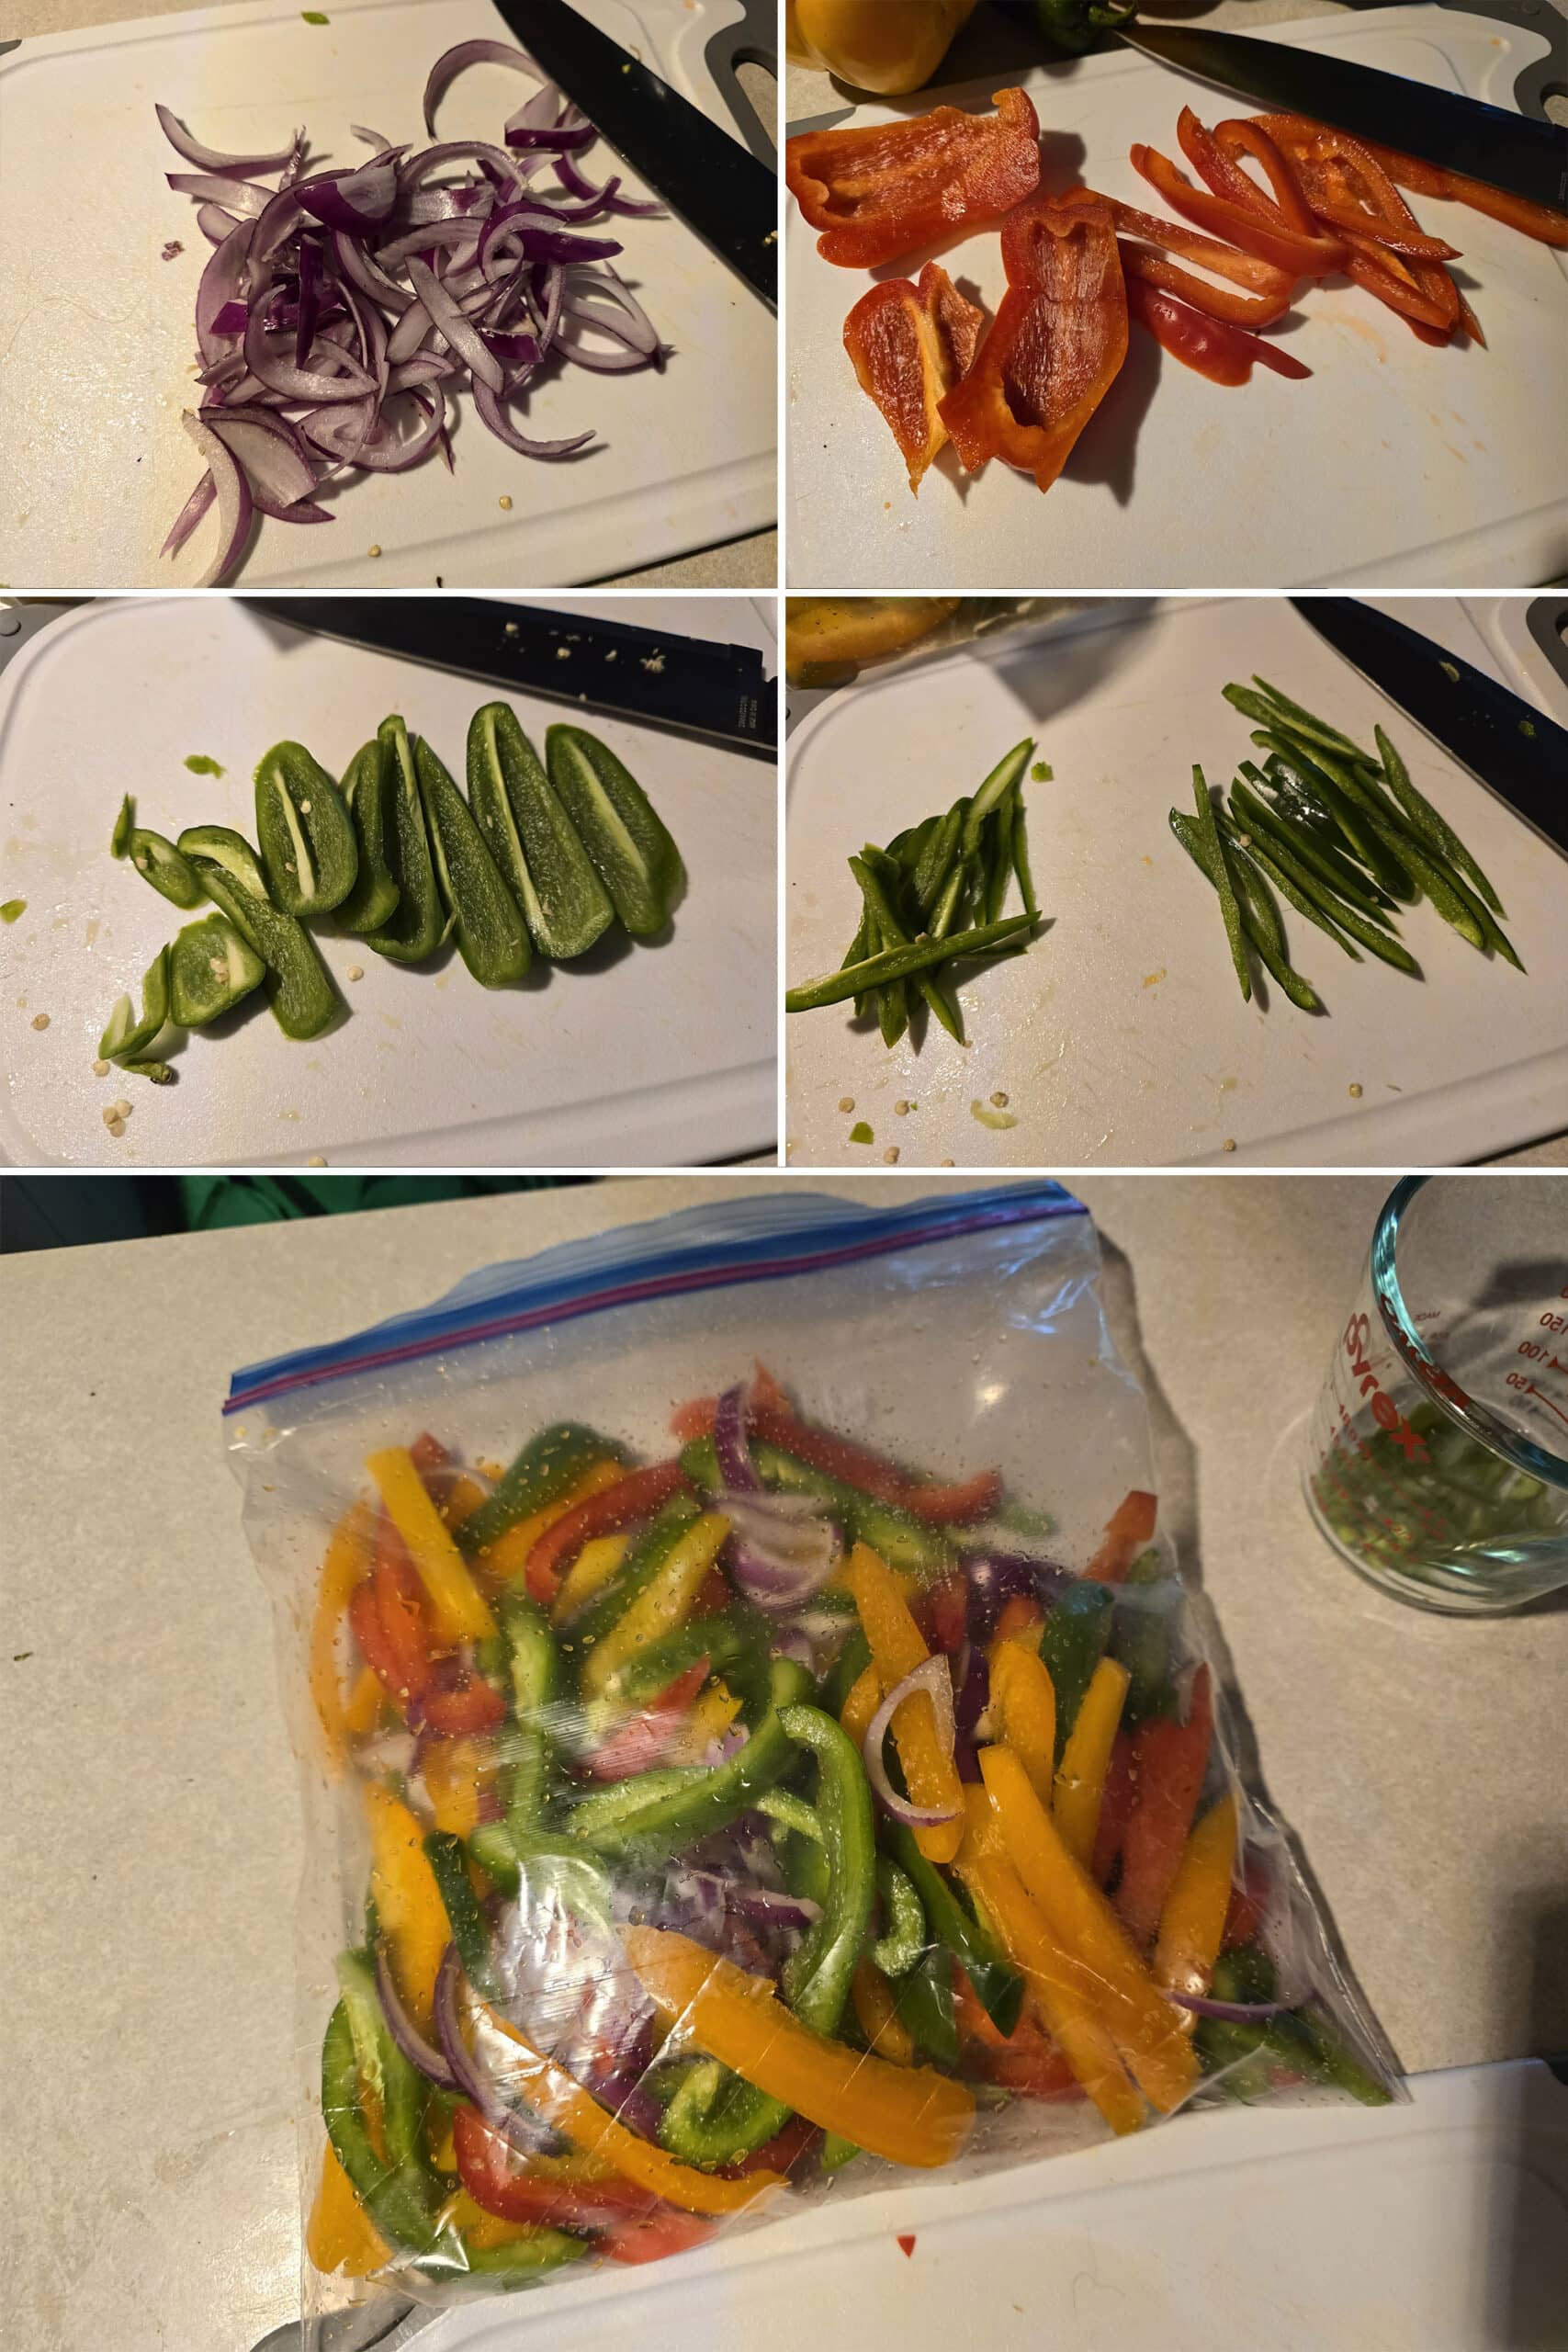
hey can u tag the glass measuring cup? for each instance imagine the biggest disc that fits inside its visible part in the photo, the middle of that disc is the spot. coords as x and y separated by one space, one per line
1437 1451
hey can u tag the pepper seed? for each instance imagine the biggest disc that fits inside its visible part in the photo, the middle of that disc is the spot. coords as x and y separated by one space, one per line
846 1102
998 1101
900 1110
375 550
356 972
505 504
1230 1142
41 1021
1355 1092
891 1154
100 1069
316 1160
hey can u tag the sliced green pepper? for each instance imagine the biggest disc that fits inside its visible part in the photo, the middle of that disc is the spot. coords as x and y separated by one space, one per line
510 1856
159 862
543 1470
535 1665
971 1942
1072 1644
1429 823
678 1816
119 839
923 2000
210 968
631 848
223 846
395 2196
367 785
900 1539
532 838
1146 1610
302 996
1001 781
415 928
399 2085
853 1658
636 1571
128 1034
448 1862
903 1937
308 848
492 938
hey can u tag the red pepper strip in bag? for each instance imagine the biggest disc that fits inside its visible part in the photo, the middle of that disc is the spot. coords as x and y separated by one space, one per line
909 344
1057 344
888 187
1243 225
1169 1760
637 1496
1213 348
1538 221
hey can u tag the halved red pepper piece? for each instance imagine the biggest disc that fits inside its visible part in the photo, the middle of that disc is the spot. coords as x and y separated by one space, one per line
457 1702
637 1496
1057 344
946 1611
641 1742
1243 224
1168 1762
653 2236
494 2178
886 189
1210 346
1129 1529
1538 221
908 344
1115 1807
389 1619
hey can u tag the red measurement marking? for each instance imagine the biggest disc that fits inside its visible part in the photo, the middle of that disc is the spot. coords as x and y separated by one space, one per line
1550 1408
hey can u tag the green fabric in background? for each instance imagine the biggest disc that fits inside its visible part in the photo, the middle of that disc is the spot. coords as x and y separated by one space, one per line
210 1201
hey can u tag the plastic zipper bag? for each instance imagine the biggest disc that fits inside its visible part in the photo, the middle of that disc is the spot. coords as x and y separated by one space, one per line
754 1738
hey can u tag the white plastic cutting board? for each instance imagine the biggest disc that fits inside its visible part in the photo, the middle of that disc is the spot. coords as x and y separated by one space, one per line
1437 2227
1395 464
628 1056
1122 1036
99 343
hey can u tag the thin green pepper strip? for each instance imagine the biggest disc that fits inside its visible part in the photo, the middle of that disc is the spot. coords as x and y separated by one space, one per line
923 2003
447 1861
898 963
1300 859
395 2196
1300 991
706 1799
896 1536
545 1468
534 1663
903 1937
999 1987
1432 826
716 2117
1263 854
1219 874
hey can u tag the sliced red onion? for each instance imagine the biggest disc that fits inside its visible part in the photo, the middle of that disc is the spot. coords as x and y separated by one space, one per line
359 202
299 383
384 453
235 506
431 2061
934 1679
473 2075
731 1451
494 415
779 1561
215 223
973 1684
190 515
272 467
455 60
236 196
606 287
220 283
428 239
557 139
371 138
770 1906
464 339
208 158
358 267
1229 2012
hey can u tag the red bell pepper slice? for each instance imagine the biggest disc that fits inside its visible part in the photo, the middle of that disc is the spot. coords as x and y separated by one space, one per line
909 344
1115 1807
1056 344
641 1742
779 2153
1249 1904
1026 2060
637 1496
1287 211
886 189
1021 1617
1538 221
1240 136
1224 354
494 2178
1243 224
854 1465
457 1702
1129 1531
1169 1761
388 1617
655 2235
946 1610
1343 177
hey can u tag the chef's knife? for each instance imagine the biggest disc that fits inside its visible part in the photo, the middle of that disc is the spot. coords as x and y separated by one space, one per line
1509 150
718 187
689 684
1514 749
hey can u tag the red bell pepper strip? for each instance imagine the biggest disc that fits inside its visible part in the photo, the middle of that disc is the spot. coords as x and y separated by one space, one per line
886 189
1169 1761
1241 136
1057 344
1115 1807
779 2153
641 1742
1538 221
494 2178
1336 172
946 1611
1128 1531
1249 1904
1026 2060
1249 310
638 1495
908 344
655 2235
389 1619
1287 211
457 1702
1213 348
855 1465
1242 224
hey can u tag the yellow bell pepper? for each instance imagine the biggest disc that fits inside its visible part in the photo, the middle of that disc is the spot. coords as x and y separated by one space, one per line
407 1901
457 1774
462 1497
909 2114
883 2028
1086 1759
710 1718
363 1703
462 1612
888 46
1023 1711
1193 1920
588 1573
661 1606
553 2093
825 637
340 2235
479 2228
346 1564
1057 1991
896 1649
1141 2023
508 1555
862 1702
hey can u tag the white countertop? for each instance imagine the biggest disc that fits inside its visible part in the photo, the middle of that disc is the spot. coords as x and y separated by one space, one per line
153 1834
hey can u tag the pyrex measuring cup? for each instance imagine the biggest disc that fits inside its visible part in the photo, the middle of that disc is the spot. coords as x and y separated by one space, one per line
1437 1460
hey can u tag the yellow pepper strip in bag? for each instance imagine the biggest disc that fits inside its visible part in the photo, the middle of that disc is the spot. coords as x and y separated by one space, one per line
589 1574
1057 1992
1142 2024
462 1612
552 2092
340 2235
457 1774
863 1700
478 2228
508 1555
896 1649
363 1703
346 1564
464 1495
885 2030
661 1606
1023 1705
910 2114
1193 1920
711 1717
407 1901
1086 1759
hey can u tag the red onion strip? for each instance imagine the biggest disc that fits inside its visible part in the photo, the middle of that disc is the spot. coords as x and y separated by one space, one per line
934 1679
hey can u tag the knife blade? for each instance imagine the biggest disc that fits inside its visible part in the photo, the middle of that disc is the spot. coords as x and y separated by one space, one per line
717 186
690 685
1515 750
1458 134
